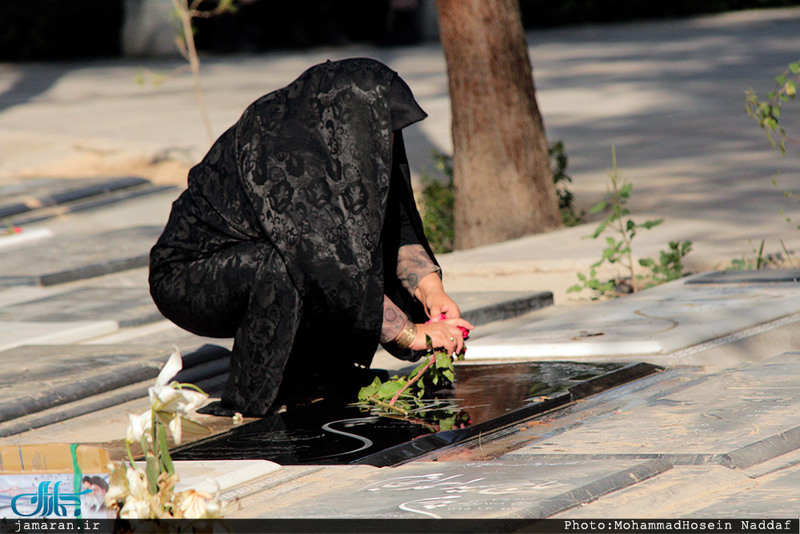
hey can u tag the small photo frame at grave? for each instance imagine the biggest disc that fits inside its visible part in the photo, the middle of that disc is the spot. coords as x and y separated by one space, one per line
58 481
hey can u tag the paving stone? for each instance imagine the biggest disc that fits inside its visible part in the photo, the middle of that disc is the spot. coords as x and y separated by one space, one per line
35 193
475 489
774 497
37 377
149 210
221 475
128 306
751 276
656 321
205 367
295 484
737 418
10 295
79 207
16 333
78 256
481 307
679 492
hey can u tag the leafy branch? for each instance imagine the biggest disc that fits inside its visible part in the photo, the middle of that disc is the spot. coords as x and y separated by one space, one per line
619 249
412 395
768 112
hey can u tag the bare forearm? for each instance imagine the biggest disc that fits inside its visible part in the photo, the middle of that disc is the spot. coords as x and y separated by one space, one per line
393 321
413 265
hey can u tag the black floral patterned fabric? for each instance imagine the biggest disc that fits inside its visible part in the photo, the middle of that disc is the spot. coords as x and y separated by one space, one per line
287 235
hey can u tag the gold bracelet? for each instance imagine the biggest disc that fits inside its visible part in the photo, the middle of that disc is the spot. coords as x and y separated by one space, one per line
407 336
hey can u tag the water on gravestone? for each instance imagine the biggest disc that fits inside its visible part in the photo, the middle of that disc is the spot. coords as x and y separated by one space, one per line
332 431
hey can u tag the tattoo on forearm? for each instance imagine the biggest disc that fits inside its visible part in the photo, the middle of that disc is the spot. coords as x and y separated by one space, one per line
393 320
414 264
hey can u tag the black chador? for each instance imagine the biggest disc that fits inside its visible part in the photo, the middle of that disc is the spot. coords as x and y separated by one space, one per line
286 238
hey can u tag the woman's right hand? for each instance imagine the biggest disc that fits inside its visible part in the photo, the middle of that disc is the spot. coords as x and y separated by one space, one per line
444 334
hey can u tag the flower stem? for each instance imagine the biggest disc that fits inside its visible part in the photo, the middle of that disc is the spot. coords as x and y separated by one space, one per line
413 380
389 406
130 454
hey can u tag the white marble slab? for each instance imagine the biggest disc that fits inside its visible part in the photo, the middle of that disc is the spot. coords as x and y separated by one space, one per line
657 321
220 475
16 333
25 236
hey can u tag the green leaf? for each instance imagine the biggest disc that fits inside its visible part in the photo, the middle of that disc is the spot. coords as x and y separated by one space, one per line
600 206
151 470
626 190
650 224
428 342
166 460
794 68
443 361
447 423
370 390
449 374
387 390
600 228
574 289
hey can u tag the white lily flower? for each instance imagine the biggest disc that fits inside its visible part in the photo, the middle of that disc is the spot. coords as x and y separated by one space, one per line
117 486
137 504
140 427
192 504
171 368
172 404
169 399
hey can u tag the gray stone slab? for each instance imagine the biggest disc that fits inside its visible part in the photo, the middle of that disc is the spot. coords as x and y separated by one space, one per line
773 497
128 306
481 307
77 256
656 321
680 492
35 193
38 378
206 367
10 295
453 490
738 418
753 276
16 333
93 203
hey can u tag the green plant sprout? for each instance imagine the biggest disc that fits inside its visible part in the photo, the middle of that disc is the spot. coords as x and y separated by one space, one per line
768 115
566 200
619 248
768 112
438 201
761 260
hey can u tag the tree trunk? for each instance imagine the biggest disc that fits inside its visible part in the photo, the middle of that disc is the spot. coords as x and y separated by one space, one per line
501 167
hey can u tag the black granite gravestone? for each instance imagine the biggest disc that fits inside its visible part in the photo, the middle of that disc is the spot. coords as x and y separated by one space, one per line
484 397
